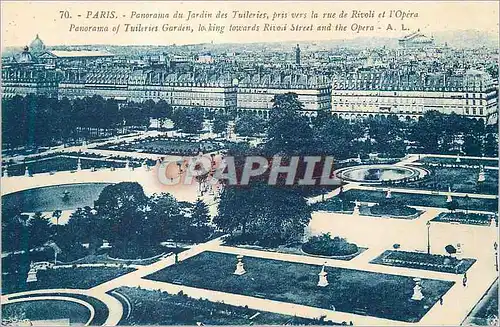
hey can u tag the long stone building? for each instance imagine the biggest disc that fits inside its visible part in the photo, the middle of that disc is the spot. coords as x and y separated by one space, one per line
409 95
378 91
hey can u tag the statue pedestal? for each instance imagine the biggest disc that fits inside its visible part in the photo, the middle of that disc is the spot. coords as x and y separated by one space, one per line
31 276
323 281
240 269
417 291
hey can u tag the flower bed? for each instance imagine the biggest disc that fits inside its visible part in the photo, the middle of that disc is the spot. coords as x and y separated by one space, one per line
392 207
334 205
174 146
325 245
426 200
463 218
424 261
459 179
463 161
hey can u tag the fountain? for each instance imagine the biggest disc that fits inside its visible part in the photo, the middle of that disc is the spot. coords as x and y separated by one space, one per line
376 174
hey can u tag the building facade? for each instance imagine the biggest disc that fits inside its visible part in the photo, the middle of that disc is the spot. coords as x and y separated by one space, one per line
409 96
256 92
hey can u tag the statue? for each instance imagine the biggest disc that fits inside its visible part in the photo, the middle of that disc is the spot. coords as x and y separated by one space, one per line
32 274
79 165
389 194
323 281
449 198
458 158
127 164
240 269
27 172
356 208
417 290
481 178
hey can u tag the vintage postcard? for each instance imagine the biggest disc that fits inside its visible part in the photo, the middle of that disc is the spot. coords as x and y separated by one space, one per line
249 163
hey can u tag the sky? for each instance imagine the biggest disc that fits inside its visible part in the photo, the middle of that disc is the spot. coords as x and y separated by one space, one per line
21 21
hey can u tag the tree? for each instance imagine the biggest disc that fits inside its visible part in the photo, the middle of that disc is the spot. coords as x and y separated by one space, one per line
14 233
200 215
116 199
247 124
472 145
490 145
289 131
189 120
428 131
39 230
220 123
84 226
264 214
164 210
123 207
162 111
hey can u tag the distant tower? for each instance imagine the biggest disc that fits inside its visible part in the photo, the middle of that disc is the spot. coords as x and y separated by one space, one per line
297 55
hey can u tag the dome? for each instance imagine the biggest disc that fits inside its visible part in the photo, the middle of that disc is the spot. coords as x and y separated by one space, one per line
25 56
37 45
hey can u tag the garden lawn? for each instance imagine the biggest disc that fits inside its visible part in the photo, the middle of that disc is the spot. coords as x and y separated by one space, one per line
463 161
372 294
459 179
81 278
50 198
424 261
181 310
486 310
425 200
46 310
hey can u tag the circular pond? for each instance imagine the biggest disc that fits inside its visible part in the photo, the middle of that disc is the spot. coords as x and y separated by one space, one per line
50 198
50 311
373 174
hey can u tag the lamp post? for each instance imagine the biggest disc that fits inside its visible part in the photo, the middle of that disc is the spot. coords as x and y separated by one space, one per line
428 237
495 246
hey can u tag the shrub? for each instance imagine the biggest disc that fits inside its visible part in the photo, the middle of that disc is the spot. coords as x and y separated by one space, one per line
395 207
328 246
